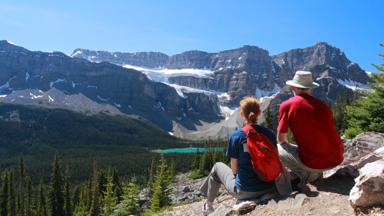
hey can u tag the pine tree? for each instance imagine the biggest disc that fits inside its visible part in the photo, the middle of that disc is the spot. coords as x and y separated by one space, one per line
18 209
117 188
28 197
161 190
55 195
367 114
206 162
130 200
21 186
76 195
4 194
11 203
102 180
268 123
41 204
95 204
196 160
172 170
150 175
339 111
81 208
156 197
67 194
88 193
109 197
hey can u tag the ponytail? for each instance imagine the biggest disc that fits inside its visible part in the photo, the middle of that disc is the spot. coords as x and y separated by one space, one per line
252 118
250 107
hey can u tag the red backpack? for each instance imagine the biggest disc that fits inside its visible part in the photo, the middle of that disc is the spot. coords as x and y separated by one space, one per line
264 155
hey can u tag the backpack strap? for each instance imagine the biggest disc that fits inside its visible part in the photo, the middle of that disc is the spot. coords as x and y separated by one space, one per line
248 128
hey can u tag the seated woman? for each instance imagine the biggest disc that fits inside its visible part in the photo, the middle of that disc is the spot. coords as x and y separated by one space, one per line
240 180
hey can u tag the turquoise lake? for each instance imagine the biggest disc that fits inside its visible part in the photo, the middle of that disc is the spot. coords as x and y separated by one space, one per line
188 150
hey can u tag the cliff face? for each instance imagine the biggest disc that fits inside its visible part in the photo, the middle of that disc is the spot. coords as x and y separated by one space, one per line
250 70
128 90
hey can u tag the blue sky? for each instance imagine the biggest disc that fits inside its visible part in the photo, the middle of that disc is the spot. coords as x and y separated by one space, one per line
174 26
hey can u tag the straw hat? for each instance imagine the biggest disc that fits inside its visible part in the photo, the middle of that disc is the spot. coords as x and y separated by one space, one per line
302 79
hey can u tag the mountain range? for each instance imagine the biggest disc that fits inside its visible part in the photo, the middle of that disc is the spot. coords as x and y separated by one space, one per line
193 95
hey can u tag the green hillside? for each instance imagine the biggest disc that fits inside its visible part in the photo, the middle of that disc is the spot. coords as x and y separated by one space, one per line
119 141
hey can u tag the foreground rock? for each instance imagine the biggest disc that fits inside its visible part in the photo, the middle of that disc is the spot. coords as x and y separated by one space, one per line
186 190
369 188
365 148
328 197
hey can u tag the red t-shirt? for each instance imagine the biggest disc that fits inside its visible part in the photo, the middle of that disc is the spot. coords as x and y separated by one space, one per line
312 125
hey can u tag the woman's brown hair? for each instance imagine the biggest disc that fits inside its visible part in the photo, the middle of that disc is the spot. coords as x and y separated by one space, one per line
250 107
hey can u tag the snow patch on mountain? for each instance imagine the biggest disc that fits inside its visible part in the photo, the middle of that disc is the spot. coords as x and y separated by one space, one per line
6 85
101 98
55 98
224 96
355 86
117 105
10 42
33 96
52 83
264 93
227 111
350 65
185 89
162 75
27 76
78 52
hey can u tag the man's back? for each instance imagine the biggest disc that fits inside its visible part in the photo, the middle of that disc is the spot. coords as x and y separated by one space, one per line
311 122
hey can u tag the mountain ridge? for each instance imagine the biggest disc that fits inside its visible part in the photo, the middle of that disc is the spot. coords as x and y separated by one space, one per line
185 92
102 82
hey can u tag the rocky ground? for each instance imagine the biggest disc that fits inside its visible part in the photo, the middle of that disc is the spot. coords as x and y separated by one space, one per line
328 196
325 197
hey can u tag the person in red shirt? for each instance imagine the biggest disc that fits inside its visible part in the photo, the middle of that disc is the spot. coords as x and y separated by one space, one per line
318 144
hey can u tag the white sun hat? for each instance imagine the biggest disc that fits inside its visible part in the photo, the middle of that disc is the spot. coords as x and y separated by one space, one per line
302 79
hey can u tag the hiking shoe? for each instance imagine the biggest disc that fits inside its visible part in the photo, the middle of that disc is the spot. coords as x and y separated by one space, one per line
206 211
296 184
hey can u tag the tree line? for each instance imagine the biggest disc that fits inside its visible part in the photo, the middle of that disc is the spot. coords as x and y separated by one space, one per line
104 193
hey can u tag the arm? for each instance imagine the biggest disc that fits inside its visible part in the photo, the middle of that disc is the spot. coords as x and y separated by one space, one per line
234 165
282 129
282 138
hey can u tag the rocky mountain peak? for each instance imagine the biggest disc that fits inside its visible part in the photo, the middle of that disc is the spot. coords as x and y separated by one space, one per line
6 45
190 59
251 48
142 59
323 59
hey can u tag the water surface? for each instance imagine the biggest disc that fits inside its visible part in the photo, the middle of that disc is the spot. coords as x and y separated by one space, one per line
187 150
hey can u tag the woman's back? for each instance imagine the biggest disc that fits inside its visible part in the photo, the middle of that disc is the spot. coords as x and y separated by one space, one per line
246 179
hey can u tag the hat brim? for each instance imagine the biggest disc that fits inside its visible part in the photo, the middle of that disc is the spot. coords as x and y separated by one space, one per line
292 83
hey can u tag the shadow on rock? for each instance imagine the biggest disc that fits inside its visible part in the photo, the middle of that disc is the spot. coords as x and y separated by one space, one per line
336 184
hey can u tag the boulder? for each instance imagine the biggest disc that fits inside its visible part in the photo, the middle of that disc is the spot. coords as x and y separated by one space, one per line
365 148
362 145
369 188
